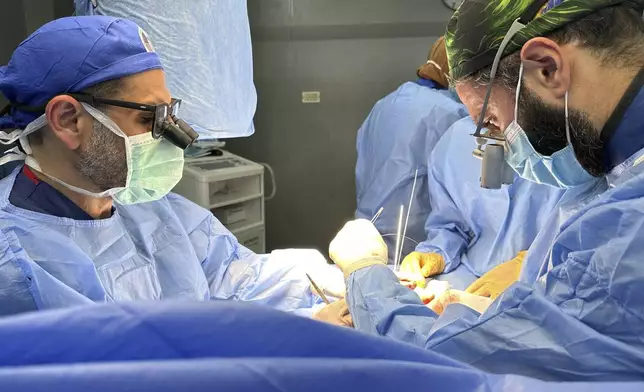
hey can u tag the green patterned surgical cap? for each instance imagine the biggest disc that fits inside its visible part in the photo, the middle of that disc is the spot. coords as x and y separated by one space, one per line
477 28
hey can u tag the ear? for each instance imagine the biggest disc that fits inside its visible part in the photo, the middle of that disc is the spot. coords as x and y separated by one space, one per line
545 68
67 119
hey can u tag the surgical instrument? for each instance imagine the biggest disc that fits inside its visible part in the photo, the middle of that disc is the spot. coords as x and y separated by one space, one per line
320 293
398 234
411 202
375 217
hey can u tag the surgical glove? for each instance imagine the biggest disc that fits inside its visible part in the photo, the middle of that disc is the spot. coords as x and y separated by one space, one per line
417 266
478 303
358 245
336 313
499 278
330 281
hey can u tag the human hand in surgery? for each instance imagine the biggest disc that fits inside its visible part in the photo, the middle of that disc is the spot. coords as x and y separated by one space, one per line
329 280
499 278
434 289
332 284
417 266
478 303
356 246
336 313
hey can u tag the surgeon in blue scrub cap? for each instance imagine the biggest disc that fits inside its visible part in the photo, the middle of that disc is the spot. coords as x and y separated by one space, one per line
90 217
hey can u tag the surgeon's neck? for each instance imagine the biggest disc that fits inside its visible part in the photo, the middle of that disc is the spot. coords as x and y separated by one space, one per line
97 208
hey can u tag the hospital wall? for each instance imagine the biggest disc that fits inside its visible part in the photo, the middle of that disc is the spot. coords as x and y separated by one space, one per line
18 19
353 52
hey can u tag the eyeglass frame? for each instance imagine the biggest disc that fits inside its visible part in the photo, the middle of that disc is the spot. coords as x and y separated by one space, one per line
161 111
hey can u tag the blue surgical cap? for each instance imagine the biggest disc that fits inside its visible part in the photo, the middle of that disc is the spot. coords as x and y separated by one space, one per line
70 55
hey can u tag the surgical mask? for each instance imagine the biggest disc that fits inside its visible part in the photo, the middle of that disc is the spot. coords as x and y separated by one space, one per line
560 170
154 166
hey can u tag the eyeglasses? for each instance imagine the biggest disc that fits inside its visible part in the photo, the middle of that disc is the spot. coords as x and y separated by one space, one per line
161 111
166 124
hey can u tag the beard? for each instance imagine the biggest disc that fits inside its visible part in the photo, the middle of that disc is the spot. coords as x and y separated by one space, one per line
103 161
545 127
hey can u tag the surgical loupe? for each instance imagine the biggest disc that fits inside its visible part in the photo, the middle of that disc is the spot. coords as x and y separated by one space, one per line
495 171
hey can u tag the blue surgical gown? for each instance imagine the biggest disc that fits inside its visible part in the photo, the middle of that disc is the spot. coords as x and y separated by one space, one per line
394 141
575 314
231 347
166 249
473 228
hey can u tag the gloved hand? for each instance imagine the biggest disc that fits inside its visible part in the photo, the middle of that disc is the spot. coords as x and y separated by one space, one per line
358 245
330 280
336 313
417 266
499 278
478 303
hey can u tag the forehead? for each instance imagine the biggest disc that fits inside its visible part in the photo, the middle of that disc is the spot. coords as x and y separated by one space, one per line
146 87
472 95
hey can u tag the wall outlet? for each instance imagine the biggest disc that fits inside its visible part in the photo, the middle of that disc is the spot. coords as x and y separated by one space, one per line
310 97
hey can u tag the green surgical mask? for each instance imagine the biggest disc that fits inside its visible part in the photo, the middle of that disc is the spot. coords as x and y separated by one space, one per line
154 166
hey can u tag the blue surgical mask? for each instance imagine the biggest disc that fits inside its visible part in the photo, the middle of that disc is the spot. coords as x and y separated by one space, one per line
560 170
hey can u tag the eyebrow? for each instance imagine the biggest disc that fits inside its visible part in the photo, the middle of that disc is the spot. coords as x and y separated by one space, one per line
154 102
153 99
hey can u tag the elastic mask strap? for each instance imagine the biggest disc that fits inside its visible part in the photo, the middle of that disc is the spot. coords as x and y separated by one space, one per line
24 143
567 123
104 120
516 95
9 138
31 162
107 122
12 155
98 116
438 67
12 137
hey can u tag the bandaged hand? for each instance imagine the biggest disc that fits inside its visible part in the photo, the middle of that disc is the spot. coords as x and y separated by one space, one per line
478 303
358 245
499 278
336 313
417 266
